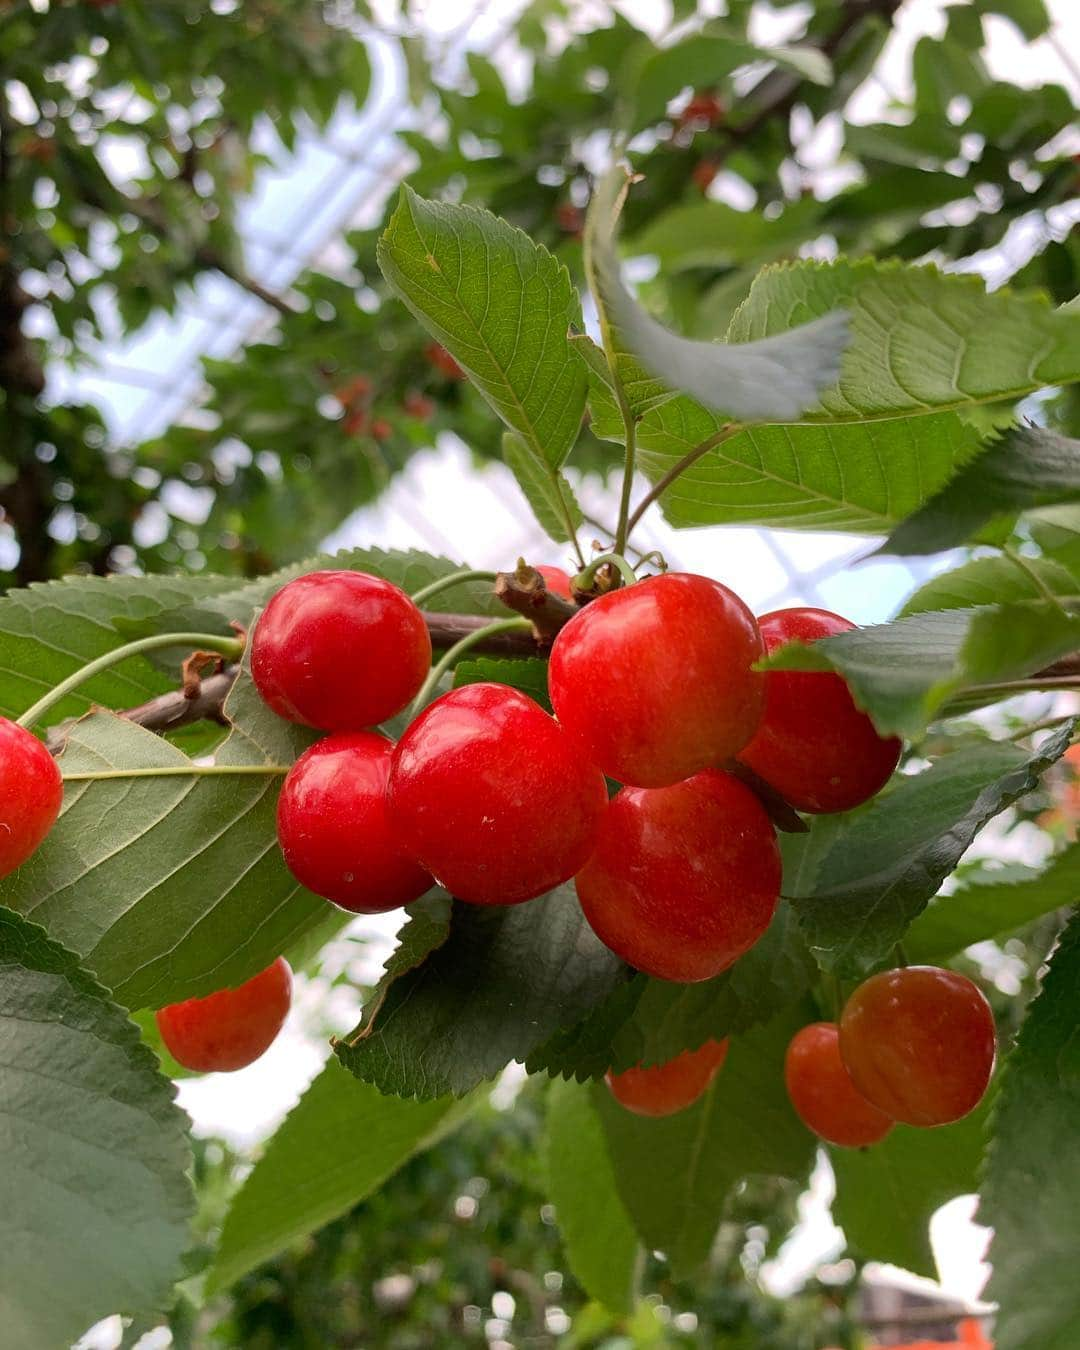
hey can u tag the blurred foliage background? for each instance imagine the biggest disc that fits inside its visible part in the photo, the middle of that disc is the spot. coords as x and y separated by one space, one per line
134 135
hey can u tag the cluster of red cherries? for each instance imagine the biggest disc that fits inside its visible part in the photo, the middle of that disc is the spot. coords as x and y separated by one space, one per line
653 686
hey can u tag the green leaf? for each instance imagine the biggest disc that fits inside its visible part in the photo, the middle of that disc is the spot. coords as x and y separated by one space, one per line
409 570
887 1195
501 305
992 909
1056 530
771 381
48 631
501 984
1031 1182
170 887
598 1236
674 1173
703 60
528 674
904 673
860 479
712 234
921 340
546 490
885 862
1030 16
649 1021
669 1018
1027 467
993 581
95 1196
336 1146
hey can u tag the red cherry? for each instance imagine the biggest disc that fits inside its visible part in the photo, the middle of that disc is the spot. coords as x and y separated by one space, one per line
556 580
666 1088
919 1043
339 651
334 829
418 405
704 171
31 793
443 362
822 1093
656 681
381 429
813 745
492 797
232 1028
684 879
703 110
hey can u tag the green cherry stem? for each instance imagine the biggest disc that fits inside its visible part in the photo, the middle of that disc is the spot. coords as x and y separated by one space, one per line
584 578
182 771
453 579
232 647
439 669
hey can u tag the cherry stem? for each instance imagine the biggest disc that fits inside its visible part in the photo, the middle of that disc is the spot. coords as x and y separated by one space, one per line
678 469
900 954
180 771
448 658
453 579
584 578
230 647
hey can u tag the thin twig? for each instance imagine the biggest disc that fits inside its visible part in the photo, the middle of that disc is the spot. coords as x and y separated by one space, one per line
661 486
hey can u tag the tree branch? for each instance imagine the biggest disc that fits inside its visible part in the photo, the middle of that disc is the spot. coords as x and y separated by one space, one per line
176 709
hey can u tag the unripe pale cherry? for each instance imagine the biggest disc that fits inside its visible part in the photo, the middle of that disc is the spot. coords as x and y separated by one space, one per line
31 794
813 745
232 1028
340 651
656 682
490 795
334 829
663 1089
822 1093
684 879
919 1043
556 580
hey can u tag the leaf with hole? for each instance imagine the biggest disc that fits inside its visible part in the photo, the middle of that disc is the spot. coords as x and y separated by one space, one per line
921 341
775 380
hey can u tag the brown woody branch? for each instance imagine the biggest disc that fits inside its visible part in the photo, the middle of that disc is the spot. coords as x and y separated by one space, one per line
205 703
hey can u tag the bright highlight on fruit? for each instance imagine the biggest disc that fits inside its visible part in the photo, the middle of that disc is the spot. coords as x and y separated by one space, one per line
919 1043
230 1029
684 879
663 1089
490 795
655 682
